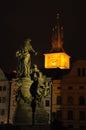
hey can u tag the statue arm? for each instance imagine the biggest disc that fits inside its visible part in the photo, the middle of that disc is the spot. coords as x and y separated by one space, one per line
17 54
32 50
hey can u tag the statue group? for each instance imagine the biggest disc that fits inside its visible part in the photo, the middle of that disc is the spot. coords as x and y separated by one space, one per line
32 88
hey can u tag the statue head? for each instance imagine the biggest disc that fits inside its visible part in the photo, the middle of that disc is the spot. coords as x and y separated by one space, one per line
27 43
28 40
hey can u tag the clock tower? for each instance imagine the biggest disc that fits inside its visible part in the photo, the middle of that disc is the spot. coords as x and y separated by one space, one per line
57 57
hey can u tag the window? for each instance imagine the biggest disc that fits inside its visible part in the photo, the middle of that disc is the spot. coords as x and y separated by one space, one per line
81 100
3 99
70 100
2 112
59 87
0 88
83 71
70 115
59 100
0 100
81 87
53 115
47 103
70 87
79 71
59 115
81 115
4 88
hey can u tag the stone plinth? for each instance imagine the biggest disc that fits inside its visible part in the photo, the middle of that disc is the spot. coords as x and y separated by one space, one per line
23 112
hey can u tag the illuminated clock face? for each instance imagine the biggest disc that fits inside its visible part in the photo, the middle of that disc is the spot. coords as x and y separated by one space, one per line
53 62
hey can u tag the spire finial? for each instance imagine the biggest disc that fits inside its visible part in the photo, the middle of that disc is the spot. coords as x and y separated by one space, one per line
57 36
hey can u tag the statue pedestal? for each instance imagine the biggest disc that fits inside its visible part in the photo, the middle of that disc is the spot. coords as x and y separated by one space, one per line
23 114
41 116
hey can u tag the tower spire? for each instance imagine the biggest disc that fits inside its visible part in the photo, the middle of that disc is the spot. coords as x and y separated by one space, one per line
57 37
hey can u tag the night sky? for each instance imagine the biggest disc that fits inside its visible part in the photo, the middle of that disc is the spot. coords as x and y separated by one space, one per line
35 19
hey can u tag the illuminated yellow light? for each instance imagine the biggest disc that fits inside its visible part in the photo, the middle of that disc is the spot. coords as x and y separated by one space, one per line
57 60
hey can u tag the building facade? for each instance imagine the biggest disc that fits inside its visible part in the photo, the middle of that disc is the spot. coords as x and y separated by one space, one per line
69 97
4 98
13 102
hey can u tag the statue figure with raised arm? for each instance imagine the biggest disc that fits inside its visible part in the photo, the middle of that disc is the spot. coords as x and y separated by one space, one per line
24 59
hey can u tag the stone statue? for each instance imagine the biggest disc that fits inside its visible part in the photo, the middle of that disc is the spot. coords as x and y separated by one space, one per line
38 91
31 87
24 59
38 86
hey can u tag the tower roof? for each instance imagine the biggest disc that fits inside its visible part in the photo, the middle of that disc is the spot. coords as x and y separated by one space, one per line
57 37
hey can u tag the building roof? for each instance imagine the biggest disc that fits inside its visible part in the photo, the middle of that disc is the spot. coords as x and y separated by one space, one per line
2 75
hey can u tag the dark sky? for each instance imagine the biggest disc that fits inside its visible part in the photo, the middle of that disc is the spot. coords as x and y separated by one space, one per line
35 19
